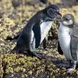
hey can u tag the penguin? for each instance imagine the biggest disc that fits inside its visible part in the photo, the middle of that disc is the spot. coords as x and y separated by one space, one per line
36 30
68 40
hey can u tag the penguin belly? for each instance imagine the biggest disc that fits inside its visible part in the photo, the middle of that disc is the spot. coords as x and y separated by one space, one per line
64 40
45 27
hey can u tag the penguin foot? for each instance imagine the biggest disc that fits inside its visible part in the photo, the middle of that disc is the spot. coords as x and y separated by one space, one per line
70 70
63 65
37 54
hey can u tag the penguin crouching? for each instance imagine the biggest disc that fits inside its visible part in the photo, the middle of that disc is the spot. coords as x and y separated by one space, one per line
68 40
36 30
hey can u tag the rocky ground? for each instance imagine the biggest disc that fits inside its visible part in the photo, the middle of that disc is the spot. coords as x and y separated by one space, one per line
14 14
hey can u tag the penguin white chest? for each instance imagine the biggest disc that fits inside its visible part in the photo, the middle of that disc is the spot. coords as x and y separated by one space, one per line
64 40
45 27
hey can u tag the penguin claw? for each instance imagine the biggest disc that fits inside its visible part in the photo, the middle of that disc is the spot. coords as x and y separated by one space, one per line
70 70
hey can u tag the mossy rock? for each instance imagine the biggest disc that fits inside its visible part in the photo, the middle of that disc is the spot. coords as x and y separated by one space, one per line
14 16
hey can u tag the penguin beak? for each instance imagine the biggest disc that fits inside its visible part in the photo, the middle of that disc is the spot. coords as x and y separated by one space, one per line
59 14
58 18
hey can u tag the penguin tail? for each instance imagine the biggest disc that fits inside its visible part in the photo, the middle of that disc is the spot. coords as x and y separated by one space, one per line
9 38
12 38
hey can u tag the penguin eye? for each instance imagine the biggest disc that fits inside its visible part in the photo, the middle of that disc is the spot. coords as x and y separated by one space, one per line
51 12
66 19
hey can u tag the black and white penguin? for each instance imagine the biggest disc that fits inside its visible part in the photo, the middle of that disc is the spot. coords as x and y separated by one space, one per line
36 30
68 40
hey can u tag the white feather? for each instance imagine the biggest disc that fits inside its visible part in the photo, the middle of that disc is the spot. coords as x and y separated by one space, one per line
64 40
45 27
68 22
32 42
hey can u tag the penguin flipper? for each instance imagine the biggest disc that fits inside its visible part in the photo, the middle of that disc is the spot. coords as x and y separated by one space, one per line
45 43
59 49
74 47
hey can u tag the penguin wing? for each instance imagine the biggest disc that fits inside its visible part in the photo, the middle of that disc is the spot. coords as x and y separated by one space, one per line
39 18
74 43
74 47
59 49
37 34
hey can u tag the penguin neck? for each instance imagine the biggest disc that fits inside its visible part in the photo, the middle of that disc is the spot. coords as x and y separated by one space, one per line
64 29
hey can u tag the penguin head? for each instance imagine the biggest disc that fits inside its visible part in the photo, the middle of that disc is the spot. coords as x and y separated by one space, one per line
52 11
68 20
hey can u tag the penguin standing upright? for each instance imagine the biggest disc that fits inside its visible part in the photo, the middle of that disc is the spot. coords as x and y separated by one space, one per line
68 39
36 30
